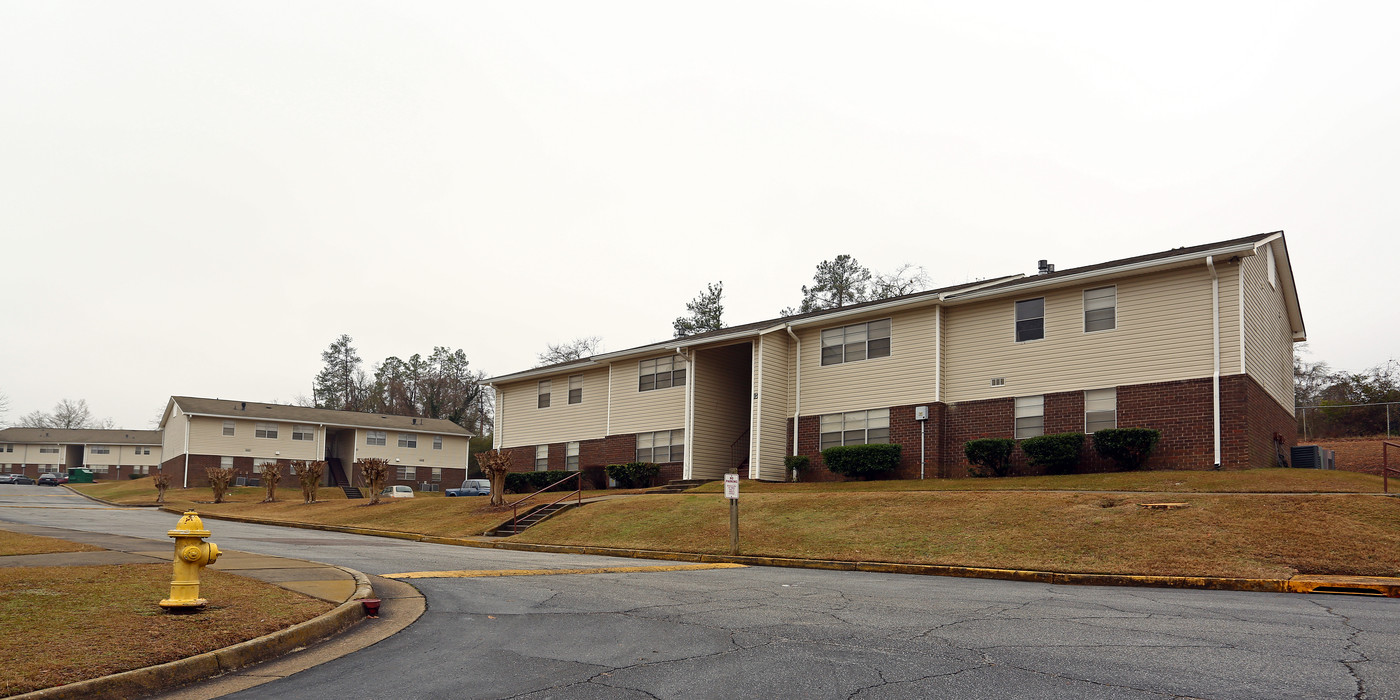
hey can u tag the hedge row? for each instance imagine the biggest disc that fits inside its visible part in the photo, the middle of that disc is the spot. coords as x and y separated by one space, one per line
1059 453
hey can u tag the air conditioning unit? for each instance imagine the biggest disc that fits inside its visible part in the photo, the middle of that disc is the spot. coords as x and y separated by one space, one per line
1313 457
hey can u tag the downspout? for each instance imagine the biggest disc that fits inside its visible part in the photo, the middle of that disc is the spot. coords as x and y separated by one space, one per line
1215 376
797 403
187 451
688 465
499 424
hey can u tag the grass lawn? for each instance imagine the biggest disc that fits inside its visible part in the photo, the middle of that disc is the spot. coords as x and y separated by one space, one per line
12 543
1218 535
1241 481
65 624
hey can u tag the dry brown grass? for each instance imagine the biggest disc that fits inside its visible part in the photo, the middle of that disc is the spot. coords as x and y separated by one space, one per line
1218 535
12 543
65 624
1242 481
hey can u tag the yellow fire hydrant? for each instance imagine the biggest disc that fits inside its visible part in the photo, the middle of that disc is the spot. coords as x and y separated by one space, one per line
192 553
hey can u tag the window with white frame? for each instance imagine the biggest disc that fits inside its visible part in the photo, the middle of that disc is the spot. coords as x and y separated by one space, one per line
228 428
860 341
258 464
571 456
855 428
543 401
661 373
1030 416
661 446
227 462
576 388
98 468
48 450
1030 319
437 442
1100 409
409 440
541 458
437 474
408 473
143 450
303 432
265 430
1100 309
99 450
8 448
376 437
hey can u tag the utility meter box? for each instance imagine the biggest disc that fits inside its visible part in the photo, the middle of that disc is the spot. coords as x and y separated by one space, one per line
921 413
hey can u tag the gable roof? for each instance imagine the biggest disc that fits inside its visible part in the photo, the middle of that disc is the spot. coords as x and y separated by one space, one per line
1007 285
75 436
252 410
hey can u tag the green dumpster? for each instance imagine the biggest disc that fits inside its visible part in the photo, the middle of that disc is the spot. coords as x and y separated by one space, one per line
79 476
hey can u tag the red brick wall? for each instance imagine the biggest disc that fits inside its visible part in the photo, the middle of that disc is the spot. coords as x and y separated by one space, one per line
594 455
904 431
1270 427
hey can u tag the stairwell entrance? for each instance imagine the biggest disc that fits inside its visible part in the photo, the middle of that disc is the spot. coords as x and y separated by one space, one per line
722 381
340 457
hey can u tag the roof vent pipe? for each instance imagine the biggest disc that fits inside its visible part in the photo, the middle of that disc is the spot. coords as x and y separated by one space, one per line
244 407
1045 267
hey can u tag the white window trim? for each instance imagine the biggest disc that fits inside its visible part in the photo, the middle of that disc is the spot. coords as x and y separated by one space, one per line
1086 407
544 394
541 462
275 428
408 441
1015 430
381 435
844 361
865 429
230 429
1083 311
1044 311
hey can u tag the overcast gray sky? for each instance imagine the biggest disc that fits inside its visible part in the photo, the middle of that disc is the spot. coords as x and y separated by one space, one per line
196 198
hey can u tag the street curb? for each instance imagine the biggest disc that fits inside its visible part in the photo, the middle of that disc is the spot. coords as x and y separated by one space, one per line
169 676
1386 586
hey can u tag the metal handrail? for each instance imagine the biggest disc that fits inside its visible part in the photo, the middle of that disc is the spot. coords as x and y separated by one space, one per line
515 507
1385 464
734 460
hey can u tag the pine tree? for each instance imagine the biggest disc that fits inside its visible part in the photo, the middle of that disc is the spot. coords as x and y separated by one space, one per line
706 312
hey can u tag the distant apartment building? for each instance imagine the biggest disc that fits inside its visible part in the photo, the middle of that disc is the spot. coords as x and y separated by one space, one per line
110 454
1196 342
200 433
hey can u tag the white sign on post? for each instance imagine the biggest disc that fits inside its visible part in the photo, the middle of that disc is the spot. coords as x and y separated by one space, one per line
731 486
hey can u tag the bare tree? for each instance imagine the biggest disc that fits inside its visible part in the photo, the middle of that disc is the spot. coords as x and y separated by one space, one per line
4 406
309 474
67 414
271 474
219 478
575 349
495 464
906 279
375 472
161 482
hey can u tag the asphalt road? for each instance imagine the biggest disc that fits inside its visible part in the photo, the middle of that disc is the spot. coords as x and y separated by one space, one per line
793 633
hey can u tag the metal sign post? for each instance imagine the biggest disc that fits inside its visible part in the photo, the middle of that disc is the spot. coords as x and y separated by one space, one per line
731 492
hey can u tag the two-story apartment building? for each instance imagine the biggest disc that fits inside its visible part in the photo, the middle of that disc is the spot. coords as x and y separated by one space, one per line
200 433
110 454
1195 342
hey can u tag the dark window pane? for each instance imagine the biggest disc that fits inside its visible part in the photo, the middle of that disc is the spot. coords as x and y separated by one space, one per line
678 378
831 356
544 401
1033 329
855 351
879 347
576 396
854 437
663 381
830 440
1099 320
644 454
877 436
1030 308
647 382
677 453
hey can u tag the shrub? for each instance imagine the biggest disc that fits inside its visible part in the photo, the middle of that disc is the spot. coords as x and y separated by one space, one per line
1129 448
633 475
989 456
530 482
861 460
1058 453
796 464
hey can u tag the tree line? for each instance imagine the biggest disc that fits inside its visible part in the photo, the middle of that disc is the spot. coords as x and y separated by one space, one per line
1337 403
441 385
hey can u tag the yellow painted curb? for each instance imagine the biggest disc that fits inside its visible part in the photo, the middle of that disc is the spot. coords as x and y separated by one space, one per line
489 573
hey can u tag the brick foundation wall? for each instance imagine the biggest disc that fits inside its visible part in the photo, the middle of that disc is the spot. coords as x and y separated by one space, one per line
594 455
1269 427
904 431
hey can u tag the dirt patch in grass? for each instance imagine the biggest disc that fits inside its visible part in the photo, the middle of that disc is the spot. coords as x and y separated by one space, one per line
1242 481
65 624
12 543
1218 535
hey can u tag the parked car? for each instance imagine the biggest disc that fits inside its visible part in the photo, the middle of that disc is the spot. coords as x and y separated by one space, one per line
471 487
8 478
19 479
51 479
399 491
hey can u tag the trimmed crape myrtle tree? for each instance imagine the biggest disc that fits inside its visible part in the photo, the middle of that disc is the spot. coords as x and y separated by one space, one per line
989 456
495 464
1129 448
861 461
375 473
219 479
309 474
1058 453
271 473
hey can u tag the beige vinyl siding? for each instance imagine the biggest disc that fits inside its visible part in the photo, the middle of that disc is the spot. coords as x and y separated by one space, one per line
905 377
33 456
1230 318
173 435
769 420
452 454
721 378
644 411
1163 332
207 438
526 424
130 457
1268 336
